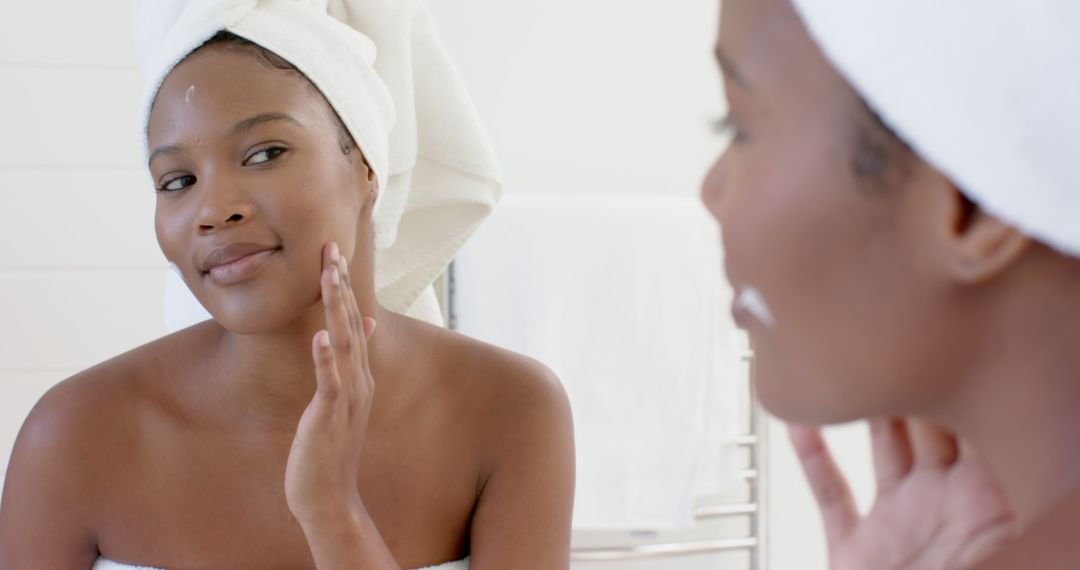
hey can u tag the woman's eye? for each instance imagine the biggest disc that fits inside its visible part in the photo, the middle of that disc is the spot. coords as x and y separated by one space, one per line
178 183
725 127
265 155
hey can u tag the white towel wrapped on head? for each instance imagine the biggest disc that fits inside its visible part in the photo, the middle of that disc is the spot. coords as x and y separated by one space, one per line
988 91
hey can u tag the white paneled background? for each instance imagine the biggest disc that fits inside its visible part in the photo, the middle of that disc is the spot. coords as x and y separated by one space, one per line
80 271
596 96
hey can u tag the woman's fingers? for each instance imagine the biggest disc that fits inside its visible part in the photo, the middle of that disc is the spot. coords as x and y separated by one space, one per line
933 446
893 455
369 327
351 307
356 322
328 386
342 340
828 484
349 329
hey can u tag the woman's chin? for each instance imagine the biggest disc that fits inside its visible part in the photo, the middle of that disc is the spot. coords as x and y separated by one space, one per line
796 399
255 317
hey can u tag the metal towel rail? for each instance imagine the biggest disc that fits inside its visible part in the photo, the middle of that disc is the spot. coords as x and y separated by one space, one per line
754 474
756 509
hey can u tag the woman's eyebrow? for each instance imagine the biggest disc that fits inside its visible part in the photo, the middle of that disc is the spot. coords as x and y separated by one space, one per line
164 151
240 127
262 118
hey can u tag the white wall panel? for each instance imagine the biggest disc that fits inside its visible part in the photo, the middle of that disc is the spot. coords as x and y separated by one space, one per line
65 32
77 219
75 319
591 97
70 118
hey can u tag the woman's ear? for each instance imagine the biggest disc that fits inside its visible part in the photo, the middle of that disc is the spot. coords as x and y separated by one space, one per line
978 245
373 183
365 172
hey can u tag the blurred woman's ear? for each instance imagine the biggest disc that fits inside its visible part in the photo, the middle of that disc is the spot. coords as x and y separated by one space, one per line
978 245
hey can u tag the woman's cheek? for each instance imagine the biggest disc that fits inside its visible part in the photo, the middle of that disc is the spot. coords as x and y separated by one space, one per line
168 228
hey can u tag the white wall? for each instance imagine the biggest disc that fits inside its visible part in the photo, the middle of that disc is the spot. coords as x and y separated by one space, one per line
591 96
80 272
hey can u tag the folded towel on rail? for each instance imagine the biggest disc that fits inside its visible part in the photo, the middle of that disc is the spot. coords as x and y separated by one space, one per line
624 298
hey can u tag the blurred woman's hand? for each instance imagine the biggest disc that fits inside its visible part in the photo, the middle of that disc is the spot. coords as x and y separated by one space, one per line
321 475
938 507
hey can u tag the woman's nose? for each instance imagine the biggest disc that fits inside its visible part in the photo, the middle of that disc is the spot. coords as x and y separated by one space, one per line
712 188
223 205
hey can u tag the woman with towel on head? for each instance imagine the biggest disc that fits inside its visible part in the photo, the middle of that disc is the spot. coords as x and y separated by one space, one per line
317 166
900 206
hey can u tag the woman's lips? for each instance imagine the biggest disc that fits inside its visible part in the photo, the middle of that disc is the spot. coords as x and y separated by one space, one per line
750 305
240 269
740 316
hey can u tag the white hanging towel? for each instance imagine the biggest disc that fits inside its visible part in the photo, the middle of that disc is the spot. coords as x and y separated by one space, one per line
624 299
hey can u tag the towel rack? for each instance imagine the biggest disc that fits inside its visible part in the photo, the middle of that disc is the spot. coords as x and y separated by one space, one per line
756 509
755 475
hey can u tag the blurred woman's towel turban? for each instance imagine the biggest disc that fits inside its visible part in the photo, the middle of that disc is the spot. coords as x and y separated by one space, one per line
988 91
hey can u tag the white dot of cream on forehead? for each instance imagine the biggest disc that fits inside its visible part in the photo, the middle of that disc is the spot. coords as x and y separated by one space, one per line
190 94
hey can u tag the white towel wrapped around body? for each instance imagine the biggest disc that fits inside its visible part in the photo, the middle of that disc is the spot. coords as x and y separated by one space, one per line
382 68
105 564
985 90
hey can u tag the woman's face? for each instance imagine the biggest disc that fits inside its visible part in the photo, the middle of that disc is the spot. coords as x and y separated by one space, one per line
859 323
252 183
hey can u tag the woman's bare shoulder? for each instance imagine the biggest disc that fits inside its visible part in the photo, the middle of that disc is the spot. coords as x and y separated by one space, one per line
84 411
83 429
516 417
487 375
501 392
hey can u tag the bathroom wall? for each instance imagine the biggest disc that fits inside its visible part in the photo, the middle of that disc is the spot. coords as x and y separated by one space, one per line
80 272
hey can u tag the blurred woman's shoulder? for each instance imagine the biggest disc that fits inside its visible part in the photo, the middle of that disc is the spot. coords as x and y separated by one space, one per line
1051 541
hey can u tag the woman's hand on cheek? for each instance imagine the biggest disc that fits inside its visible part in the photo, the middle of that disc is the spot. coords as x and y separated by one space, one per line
321 475
938 507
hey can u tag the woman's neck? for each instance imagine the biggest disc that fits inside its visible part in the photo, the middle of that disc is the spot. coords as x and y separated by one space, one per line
266 380
1021 405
